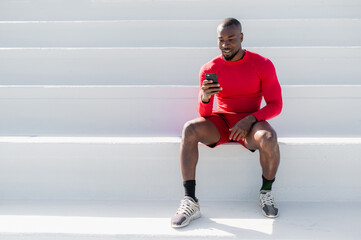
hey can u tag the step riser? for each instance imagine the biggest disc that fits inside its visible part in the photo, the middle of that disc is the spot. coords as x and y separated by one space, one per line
112 9
262 33
160 66
151 171
97 117
162 111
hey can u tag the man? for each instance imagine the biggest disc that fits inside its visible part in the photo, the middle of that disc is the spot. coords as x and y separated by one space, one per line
244 78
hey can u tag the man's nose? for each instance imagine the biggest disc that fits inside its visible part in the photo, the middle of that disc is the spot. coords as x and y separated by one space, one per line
225 44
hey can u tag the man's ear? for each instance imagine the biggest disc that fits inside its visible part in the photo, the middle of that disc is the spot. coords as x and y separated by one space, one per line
241 37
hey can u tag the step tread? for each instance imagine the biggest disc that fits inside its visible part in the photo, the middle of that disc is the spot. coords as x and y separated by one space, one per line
143 220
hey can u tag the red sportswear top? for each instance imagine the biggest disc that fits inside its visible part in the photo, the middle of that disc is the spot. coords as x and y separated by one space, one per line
244 82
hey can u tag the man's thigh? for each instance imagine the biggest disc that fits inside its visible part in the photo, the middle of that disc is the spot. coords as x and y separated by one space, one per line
207 133
254 137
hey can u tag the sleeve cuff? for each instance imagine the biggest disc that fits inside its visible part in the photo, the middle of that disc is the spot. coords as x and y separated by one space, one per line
257 116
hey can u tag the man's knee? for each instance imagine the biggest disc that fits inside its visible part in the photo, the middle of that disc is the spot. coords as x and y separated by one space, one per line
191 129
267 139
200 130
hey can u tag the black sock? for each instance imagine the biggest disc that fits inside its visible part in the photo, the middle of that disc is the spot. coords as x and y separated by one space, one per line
190 188
267 184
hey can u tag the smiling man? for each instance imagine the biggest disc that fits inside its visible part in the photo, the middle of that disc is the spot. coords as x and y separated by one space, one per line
244 78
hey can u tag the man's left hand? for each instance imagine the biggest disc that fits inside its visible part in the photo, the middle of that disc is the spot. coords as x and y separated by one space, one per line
241 129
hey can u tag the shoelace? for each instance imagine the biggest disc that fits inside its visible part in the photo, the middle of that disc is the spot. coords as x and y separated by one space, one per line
267 199
187 207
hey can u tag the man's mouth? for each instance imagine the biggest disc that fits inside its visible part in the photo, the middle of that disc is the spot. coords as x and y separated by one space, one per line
227 51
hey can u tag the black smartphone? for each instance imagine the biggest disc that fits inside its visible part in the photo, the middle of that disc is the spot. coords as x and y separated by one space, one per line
211 76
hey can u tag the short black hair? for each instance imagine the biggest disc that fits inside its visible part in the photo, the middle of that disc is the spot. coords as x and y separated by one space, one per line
230 22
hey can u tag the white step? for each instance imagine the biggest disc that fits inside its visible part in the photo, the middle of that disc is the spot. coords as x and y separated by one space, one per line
175 9
107 220
68 168
163 110
161 66
97 110
178 33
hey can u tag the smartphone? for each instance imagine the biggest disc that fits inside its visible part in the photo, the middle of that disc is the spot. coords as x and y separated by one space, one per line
211 76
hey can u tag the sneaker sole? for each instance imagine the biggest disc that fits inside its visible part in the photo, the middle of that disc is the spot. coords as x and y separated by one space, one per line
269 216
194 217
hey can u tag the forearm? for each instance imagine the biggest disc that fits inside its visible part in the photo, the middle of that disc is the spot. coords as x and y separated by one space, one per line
251 119
269 111
272 94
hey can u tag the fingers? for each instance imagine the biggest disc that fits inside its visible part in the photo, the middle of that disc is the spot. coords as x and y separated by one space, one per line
210 92
237 134
209 88
210 85
206 82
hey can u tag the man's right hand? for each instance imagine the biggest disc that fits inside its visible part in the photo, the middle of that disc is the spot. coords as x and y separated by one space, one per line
209 88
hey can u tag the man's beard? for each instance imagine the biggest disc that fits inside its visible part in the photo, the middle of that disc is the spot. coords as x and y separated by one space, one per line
231 57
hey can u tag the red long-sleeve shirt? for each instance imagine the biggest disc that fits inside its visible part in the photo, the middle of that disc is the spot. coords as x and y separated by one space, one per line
244 82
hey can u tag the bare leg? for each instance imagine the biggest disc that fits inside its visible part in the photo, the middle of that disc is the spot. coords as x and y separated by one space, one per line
264 138
195 131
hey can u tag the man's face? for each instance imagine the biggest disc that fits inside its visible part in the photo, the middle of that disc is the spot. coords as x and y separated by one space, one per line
230 42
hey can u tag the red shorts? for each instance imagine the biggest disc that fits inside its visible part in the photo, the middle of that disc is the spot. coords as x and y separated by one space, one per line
223 122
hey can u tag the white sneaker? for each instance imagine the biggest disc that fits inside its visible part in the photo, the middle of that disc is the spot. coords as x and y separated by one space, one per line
187 211
268 205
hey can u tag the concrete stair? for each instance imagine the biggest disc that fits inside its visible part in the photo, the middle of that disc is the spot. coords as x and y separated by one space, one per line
101 66
94 95
181 33
136 110
74 220
124 168
56 10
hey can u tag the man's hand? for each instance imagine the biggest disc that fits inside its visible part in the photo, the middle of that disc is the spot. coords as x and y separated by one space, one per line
241 129
209 88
